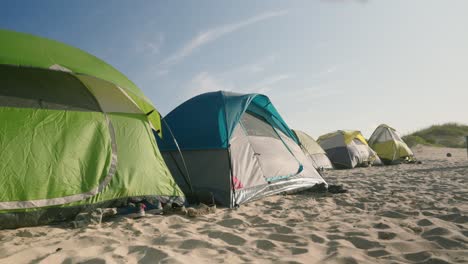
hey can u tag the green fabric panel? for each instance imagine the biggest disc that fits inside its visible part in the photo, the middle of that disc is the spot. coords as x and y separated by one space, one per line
141 170
404 150
391 150
51 153
153 116
31 51
385 150
27 50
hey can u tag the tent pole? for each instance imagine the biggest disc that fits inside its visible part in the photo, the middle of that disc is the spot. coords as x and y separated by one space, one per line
187 176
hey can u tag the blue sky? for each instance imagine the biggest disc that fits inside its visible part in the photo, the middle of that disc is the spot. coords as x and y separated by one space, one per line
326 65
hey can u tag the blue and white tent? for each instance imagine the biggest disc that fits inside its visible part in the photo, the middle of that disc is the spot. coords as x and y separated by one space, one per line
236 146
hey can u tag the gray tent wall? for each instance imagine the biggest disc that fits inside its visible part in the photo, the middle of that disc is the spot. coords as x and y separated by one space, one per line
348 156
208 171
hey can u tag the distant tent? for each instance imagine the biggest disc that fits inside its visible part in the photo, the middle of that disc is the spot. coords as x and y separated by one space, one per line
236 146
388 144
348 149
314 151
74 133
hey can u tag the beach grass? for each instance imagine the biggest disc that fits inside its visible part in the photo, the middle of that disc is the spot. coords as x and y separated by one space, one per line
445 135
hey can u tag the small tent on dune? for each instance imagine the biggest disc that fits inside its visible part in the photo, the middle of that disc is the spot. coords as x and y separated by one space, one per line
314 151
236 146
74 133
348 149
389 146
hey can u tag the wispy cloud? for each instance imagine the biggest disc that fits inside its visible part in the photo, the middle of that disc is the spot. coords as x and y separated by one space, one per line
150 45
205 82
265 85
213 34
255 67
162 72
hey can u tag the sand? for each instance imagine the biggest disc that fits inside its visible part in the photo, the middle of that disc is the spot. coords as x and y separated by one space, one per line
394 214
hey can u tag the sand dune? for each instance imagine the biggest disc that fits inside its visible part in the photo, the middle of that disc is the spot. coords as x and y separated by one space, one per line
396 214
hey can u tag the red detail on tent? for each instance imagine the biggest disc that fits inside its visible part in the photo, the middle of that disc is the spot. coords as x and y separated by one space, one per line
237 183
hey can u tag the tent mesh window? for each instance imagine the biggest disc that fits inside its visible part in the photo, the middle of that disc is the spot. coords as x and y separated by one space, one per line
45 89
384 136
255 126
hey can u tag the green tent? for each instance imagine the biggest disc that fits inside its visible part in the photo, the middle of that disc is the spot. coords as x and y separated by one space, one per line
313 150
386 141
75 133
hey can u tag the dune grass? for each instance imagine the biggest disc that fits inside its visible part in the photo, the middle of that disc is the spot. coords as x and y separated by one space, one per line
446 135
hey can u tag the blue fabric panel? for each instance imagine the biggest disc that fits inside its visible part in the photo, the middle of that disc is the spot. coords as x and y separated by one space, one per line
236 104
207 121
198 123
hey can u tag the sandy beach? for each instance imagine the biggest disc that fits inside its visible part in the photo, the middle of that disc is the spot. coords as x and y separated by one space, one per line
415 213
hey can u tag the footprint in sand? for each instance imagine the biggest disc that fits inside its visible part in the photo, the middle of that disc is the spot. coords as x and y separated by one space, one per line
386 235
356 234
194 243
424 222
298 251
378 253
256 220
147 254
317 239
235 251
265 244
273 206
232 222
229 238
332 247
285 238
335 237
455 218
162 240
177 226
393 214
438 231
418 256
362 243
381 226
446 242
277 228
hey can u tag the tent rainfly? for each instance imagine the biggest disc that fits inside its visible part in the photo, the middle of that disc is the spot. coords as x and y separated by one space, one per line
388 144
75 133
348 149
236 146
314 151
